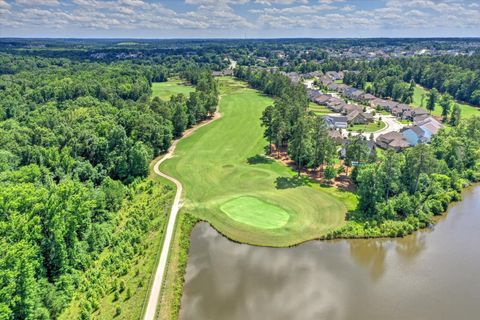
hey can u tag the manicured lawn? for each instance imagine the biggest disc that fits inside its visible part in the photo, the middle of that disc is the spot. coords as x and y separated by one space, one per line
222 163
174 86
318 109
467 110
370 127
255 212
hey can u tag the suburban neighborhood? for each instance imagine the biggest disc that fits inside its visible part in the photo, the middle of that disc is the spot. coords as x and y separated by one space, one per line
403 125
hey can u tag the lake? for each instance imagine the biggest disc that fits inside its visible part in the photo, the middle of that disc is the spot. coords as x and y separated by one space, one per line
432 274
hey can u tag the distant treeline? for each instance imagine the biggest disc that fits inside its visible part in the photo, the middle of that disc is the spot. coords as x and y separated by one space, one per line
457 76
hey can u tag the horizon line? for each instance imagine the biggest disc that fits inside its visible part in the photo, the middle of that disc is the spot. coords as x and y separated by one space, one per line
231 38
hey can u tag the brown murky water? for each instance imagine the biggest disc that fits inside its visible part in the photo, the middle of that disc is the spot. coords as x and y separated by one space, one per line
433 274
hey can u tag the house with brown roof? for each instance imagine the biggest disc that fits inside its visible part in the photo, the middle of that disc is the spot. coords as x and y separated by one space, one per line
322 99
350 108
419 112
392 140
336 136
368 97
357 117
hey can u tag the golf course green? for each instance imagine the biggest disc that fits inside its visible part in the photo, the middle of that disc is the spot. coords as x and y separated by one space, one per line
248 197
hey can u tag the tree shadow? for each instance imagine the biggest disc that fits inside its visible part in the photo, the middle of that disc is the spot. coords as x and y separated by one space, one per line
259 159
291 182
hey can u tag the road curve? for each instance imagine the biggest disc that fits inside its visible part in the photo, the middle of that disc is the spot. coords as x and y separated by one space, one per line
162 263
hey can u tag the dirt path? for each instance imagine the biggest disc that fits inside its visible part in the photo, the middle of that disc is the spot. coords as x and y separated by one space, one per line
158 280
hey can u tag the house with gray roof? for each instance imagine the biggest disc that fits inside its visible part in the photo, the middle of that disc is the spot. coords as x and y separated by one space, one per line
336 122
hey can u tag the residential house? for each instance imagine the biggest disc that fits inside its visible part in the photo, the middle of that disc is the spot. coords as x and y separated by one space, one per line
388 105
367 97
325 80
357 117
333 86
419 118
336 106
336 122
322 99
419 112
392 140
350 108
312 94
336 136
430 126
414 135
335 75
358 95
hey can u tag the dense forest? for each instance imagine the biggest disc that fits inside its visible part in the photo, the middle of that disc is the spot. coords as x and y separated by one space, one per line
76 139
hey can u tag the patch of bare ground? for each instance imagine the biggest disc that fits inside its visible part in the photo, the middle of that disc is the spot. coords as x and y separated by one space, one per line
342 181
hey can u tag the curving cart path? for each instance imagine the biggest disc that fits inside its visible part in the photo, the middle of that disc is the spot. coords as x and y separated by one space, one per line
162 263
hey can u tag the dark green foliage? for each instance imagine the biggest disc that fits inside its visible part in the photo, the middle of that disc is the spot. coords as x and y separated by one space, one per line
401 192
75 139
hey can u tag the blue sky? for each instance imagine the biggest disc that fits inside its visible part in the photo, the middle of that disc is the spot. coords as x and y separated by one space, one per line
239 18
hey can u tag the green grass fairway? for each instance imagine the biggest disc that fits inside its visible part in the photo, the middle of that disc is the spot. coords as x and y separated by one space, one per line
468 111
174 86
222 162
255 212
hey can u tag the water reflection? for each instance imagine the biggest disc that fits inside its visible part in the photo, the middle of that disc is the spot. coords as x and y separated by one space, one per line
371 255
429 275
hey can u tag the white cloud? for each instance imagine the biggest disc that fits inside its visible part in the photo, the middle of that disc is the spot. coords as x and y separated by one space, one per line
280 2
224 15
295 10
33 3
214 2
4 5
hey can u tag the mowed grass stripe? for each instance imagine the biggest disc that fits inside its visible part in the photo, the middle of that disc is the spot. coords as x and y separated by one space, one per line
214 167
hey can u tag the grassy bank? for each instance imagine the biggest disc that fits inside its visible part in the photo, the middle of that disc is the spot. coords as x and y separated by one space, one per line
174 86
224 161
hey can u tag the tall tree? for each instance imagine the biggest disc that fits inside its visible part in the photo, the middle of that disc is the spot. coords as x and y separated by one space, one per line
300 147
432 99
323 145
267 122
446 103
456 115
